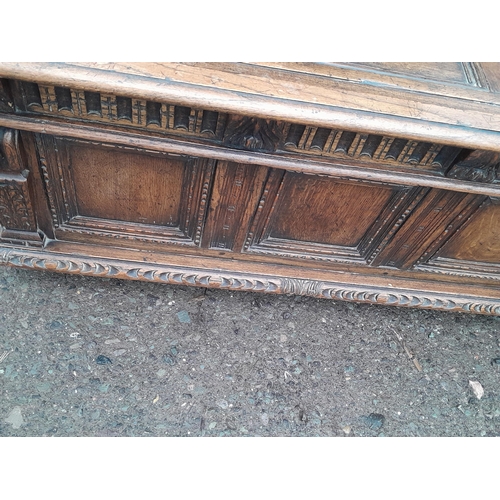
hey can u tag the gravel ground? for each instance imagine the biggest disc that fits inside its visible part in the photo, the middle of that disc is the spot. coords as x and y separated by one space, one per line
87 356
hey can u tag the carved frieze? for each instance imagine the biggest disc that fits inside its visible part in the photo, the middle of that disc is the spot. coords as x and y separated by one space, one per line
251 133
244 282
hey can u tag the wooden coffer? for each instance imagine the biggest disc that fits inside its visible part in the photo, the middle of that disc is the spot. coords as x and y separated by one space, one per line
369 182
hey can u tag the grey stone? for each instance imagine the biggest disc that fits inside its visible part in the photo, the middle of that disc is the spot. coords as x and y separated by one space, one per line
374 421
102 360
169 360
43 386
184 317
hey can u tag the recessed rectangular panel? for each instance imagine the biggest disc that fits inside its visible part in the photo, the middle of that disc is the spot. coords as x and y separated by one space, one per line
449 72
479 241
127 186
319 210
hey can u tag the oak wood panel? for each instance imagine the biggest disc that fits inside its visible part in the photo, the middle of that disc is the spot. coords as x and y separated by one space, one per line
104 191
236 192
463 80
312 209
436 217
127 186
443 72
479 241
353 225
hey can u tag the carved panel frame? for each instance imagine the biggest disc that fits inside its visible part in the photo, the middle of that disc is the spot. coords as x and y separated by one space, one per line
54 159
400 205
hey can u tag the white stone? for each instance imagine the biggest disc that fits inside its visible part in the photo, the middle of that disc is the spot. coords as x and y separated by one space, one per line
477 389
15 418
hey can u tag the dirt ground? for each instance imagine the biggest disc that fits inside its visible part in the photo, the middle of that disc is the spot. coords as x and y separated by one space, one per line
87 356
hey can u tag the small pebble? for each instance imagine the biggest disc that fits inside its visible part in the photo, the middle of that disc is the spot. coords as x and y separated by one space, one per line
169 360
374 421
223 404
286 315
477 388
184 317
102 360
15 418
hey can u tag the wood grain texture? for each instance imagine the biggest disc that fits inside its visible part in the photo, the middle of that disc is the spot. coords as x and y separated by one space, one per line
467 121
344 168
371 182
126 186
101 190
479 241
433 220
318 210
236 192
453 79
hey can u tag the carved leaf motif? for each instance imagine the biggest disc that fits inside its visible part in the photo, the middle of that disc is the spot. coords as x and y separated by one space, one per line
252 133
249 282
14 212
478 166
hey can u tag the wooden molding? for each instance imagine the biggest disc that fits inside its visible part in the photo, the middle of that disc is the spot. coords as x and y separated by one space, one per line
337 169
243 281
323 102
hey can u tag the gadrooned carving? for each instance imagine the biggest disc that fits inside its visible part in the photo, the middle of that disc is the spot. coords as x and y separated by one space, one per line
244 282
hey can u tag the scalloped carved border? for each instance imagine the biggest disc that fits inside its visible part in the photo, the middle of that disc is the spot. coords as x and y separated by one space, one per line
243 281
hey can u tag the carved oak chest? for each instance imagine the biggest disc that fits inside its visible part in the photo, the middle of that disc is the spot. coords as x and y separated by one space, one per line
371 182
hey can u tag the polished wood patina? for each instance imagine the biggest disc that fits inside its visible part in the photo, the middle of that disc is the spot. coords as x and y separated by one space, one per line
370 182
